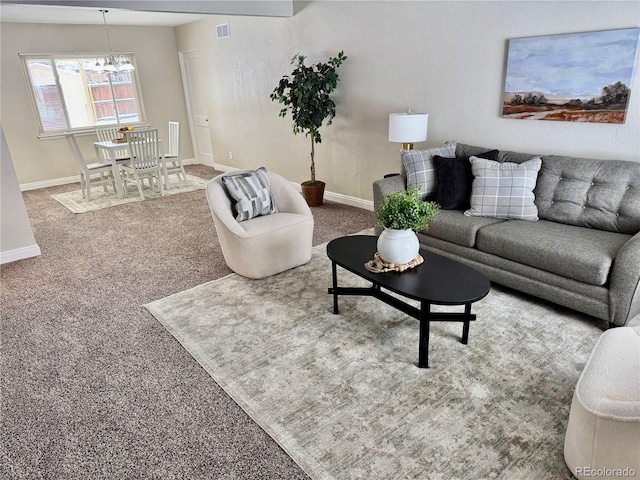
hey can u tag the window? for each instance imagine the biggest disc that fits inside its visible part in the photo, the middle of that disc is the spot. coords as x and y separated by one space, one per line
68 95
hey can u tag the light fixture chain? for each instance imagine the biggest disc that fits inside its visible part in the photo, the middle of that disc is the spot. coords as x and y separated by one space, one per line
111 64
106 29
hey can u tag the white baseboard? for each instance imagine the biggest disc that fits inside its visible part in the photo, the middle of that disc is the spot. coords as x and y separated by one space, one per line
224 168
349 200
75 179
19 254
211 164
49 183
331 196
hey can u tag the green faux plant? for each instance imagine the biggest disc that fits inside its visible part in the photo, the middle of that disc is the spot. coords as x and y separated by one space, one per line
406 210
306 94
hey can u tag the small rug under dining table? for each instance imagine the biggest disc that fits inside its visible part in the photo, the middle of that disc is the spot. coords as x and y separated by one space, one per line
100 199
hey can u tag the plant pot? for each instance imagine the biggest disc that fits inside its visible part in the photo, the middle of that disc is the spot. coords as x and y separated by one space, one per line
313 192
398 246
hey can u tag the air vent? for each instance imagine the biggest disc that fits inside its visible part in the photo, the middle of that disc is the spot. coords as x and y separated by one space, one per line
222 30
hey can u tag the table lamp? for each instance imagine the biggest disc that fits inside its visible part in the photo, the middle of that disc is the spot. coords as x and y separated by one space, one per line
407 128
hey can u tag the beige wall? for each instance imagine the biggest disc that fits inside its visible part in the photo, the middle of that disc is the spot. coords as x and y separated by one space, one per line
445 58
16 237
41 161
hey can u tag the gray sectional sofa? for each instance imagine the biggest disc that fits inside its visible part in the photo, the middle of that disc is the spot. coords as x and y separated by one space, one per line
584 250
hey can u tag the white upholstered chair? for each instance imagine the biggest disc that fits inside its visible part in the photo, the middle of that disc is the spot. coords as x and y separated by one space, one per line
101 172
144 152
265 245
171 162
603 430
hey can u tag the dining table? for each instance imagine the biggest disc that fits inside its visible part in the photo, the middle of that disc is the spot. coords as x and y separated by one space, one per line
112 151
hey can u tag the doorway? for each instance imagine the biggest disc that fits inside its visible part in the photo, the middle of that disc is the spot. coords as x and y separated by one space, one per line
195 94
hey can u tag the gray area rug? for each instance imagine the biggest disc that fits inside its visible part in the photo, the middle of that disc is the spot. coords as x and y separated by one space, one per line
343 396
101 199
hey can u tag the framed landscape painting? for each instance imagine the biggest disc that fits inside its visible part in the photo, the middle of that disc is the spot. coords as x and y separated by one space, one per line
577 77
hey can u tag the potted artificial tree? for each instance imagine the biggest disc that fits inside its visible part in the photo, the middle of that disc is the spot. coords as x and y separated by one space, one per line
402 214
306 93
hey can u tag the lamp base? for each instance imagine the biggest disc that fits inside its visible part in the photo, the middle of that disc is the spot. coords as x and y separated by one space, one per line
407 146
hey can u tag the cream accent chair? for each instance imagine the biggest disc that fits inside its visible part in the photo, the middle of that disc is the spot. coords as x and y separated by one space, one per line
265 245
603 431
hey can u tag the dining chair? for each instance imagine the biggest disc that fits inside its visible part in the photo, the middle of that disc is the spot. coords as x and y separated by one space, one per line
101 172
172 163
144 152
112 132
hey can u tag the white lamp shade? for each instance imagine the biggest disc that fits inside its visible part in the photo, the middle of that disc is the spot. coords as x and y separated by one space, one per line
109 67
408 127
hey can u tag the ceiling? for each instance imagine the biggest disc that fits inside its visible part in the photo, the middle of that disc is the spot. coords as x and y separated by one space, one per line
87 12
88 16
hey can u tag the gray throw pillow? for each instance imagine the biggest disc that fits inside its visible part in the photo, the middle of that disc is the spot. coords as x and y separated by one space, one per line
252 193
504 190
420 170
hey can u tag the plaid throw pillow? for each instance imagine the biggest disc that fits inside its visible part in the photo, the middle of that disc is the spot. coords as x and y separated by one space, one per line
420 170
504 190
252 193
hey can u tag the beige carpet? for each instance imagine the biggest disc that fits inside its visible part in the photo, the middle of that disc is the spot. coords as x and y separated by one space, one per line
342 395
101 199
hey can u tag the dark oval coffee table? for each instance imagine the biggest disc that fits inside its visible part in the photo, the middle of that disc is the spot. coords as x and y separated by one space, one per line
438 281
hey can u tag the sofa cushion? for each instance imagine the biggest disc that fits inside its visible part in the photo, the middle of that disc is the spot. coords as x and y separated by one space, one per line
420 170
453 226
504 190
601 194
455 179
583 254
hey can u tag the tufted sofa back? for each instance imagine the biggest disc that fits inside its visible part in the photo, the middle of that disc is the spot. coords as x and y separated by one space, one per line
601 194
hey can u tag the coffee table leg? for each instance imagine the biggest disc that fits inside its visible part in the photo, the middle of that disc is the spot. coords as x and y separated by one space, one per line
465 328
335 287
423 348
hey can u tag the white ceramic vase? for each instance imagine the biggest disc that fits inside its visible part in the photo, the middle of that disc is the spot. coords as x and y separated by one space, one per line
398 246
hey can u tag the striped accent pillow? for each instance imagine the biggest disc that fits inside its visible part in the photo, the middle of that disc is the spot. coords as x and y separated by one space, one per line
252 193
420 170
504 190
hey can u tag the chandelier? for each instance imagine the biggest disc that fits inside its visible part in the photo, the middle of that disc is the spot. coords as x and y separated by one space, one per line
112 64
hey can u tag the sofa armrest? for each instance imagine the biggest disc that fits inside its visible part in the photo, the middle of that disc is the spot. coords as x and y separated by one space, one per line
624 292
385 186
